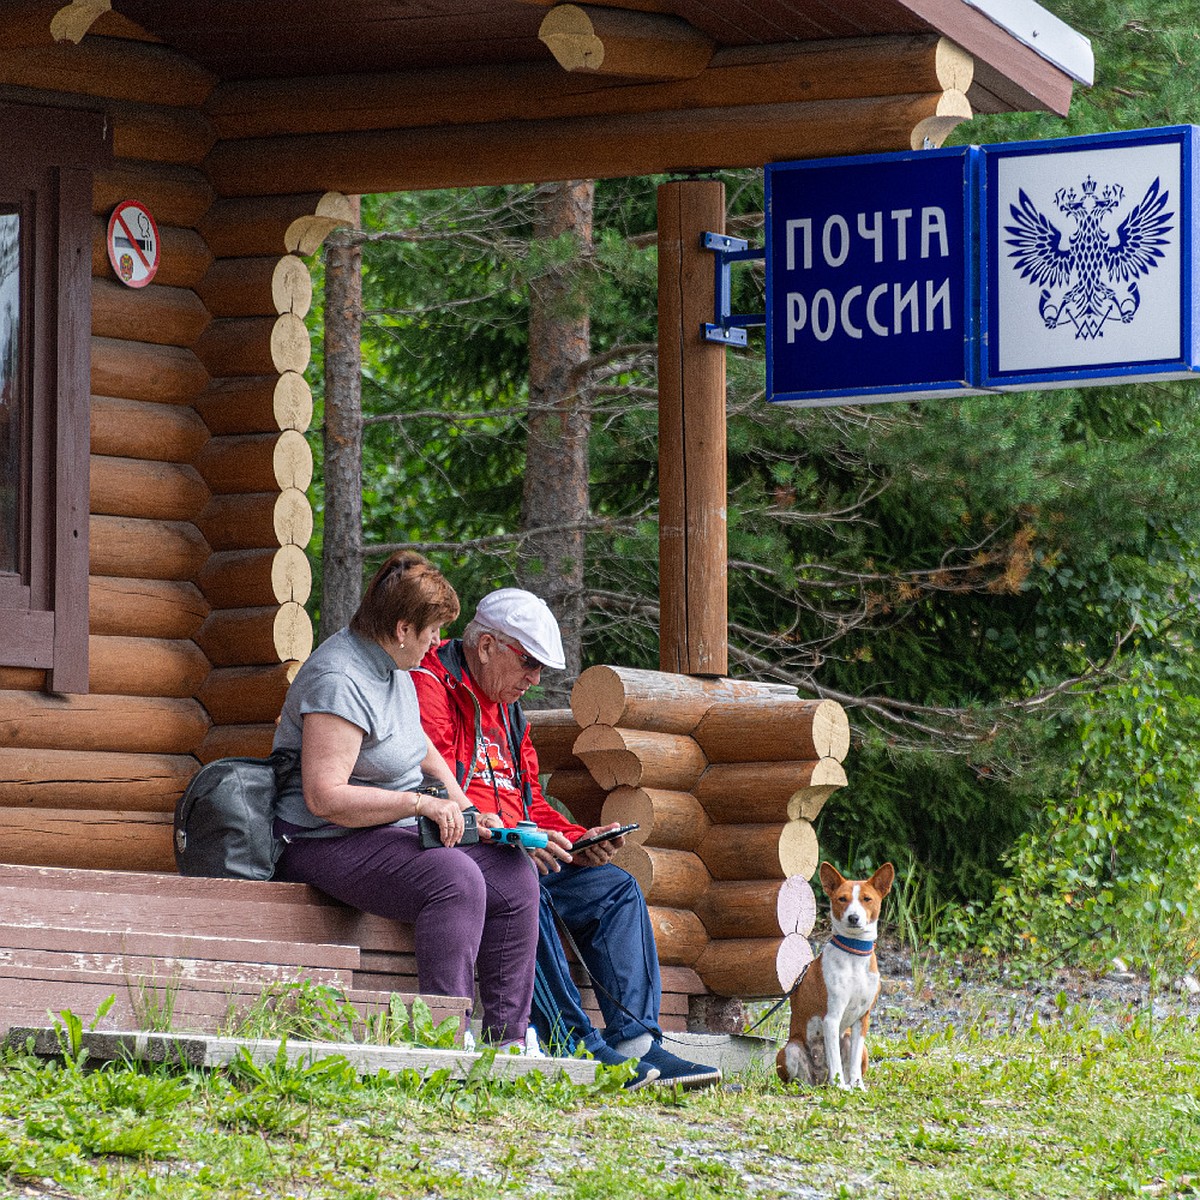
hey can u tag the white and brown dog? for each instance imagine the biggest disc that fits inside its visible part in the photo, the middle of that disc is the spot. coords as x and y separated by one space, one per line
831 1006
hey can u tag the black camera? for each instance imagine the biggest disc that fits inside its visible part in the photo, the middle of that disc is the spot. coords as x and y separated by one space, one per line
427 827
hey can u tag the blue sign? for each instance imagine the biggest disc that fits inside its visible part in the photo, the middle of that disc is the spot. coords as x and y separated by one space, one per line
1088 261
870 278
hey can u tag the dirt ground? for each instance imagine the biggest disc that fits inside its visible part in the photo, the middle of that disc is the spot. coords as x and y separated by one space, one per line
928 992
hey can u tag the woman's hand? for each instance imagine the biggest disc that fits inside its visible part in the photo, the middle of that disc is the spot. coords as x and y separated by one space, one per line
447 814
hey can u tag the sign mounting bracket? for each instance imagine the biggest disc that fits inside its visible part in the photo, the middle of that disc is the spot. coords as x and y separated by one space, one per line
727 327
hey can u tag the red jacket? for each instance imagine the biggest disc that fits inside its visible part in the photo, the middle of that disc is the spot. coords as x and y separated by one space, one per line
452 712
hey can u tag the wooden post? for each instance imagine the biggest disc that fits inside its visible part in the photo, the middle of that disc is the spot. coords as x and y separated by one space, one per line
693 618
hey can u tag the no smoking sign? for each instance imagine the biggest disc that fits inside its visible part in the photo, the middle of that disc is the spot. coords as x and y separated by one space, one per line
133 245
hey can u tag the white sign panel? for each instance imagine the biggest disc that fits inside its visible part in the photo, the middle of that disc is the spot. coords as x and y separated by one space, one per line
1088 265
133 245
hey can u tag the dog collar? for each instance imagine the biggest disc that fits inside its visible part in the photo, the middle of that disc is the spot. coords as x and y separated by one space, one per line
859 946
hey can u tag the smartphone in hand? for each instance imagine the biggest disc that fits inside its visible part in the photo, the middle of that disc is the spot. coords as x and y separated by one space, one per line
606 835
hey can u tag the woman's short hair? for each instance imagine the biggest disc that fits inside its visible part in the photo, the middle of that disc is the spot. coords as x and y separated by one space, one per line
407 588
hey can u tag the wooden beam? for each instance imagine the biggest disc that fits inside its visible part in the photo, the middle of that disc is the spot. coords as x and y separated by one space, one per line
692 558
539 150
609 41
736 76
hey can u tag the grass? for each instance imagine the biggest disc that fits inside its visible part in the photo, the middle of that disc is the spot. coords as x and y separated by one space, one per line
1063 1108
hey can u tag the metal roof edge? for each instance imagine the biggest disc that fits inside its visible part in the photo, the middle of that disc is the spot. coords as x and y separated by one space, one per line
1045 34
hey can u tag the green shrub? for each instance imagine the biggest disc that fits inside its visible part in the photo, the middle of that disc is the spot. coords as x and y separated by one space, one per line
1114 868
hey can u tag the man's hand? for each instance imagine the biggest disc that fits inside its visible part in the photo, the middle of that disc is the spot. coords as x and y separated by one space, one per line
601 852
557 851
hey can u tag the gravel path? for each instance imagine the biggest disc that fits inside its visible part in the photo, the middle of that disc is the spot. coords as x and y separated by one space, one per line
928 993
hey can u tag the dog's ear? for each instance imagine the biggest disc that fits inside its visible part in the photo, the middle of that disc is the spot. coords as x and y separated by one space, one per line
883 878
831 878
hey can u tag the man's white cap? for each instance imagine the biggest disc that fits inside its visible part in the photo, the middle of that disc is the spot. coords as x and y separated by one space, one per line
527 619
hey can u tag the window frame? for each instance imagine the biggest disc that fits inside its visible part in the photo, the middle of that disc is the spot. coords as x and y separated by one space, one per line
47 159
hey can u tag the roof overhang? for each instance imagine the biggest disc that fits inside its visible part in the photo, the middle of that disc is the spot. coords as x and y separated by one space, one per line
382 95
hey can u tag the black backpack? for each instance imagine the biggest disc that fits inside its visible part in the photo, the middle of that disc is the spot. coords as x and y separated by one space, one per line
224 819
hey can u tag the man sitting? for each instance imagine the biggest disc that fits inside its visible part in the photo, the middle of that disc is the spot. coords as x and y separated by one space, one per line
469 692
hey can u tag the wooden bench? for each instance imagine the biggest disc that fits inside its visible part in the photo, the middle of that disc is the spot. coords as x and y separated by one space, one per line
71 938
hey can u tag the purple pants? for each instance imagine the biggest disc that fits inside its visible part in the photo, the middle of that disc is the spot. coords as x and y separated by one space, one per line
475 907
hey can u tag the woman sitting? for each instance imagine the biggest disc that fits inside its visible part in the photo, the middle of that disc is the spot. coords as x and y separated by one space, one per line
348 816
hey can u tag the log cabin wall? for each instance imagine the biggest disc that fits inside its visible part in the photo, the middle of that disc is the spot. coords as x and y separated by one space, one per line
199 469
725 778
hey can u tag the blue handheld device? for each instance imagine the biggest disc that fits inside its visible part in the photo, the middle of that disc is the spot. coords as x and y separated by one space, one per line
525 834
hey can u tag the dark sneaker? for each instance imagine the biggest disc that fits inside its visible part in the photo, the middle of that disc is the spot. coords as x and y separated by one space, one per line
673 1070
646 1072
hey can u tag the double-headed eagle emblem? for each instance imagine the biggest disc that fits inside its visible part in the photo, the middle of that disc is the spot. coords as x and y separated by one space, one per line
1092 264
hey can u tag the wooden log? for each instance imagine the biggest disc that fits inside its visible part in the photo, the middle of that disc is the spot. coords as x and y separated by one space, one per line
581 794
679 936
692 542
673 820
140 371
240 522
144 607
799 853
240 579
134 487
669 878
239 637
137 429
828 69
293 633
656 700
736 793
257 404
743 852
306 233
109 840
177 196
22 679
291 575
183 256
247 227
109 781
796 906
758 908
236 741
240 405
547 149
751 967
292 403
554 731
158 315
745 967
292 461
157 133
132 548
293 518
244 463
632 758
113 70
236 346
145 666
749 730
793 957
245 695
632 45
135 725
256 287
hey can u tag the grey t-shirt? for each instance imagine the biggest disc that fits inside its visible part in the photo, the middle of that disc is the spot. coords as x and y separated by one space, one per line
356 679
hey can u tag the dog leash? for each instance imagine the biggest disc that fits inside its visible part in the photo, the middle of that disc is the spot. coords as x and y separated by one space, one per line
781 1001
